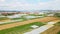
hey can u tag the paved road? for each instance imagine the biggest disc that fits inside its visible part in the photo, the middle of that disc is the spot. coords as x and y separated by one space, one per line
40 29
43 28
45 19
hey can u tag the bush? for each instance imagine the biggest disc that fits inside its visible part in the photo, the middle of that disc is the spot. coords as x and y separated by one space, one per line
58 32
57 14
58 23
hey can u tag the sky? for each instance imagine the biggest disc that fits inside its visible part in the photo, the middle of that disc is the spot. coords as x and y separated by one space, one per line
29 4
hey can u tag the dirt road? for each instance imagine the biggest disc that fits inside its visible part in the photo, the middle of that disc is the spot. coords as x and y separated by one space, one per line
45 19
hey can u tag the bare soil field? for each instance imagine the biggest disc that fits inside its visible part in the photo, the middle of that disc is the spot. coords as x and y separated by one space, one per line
45 19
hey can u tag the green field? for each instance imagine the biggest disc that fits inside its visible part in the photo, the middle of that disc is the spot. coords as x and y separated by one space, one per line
21 29
18 20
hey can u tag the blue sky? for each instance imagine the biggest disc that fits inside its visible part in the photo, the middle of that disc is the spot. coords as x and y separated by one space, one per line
29 4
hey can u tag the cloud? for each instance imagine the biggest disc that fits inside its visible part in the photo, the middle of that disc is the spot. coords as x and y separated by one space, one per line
24 5
2 0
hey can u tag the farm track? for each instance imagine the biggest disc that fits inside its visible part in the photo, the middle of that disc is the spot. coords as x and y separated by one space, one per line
45 19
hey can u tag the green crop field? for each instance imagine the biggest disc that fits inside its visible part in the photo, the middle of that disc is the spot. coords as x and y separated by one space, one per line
21 29
14 21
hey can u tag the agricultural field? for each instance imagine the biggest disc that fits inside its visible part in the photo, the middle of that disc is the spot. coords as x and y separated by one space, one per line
21 29
21 23
17 18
